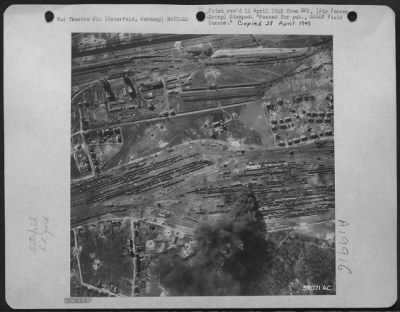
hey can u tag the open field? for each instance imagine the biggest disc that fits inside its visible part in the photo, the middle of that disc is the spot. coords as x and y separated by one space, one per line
101 259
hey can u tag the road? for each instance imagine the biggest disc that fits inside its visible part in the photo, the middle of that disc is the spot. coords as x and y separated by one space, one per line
76 250
81 132
295 227
165 90
134 258
89 85
102 290
172 117
168 227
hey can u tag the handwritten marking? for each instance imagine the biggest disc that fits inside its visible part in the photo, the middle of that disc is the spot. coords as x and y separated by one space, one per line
344 248
39 233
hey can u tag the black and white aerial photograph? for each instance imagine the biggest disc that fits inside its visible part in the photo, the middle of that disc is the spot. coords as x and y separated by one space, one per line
202 165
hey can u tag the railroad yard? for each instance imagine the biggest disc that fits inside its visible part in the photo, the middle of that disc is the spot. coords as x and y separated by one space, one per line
167 130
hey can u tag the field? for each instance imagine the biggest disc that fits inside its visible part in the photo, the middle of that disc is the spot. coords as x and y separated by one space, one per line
101 257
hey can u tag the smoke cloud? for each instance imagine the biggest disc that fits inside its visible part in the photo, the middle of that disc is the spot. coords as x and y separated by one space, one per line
231 258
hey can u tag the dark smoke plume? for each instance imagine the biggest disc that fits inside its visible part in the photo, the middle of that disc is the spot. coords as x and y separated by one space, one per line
231 258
